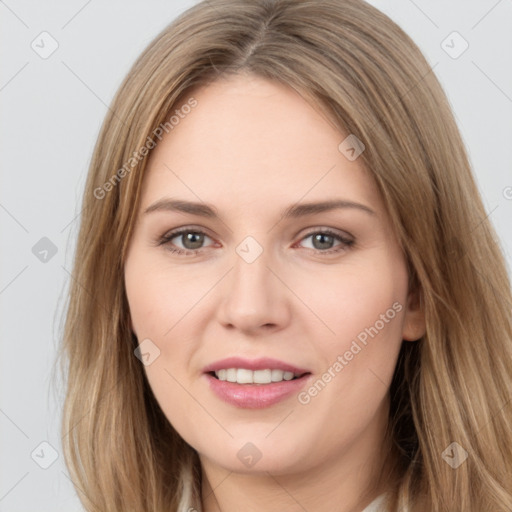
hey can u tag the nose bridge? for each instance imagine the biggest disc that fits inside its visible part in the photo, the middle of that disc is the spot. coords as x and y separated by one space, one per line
253 297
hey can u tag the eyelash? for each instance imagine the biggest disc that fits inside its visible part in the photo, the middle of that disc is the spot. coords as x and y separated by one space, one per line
346 243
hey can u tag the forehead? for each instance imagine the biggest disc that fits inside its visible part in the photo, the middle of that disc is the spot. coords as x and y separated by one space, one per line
252 140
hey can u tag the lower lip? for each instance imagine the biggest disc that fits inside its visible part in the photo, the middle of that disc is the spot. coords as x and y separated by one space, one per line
255 396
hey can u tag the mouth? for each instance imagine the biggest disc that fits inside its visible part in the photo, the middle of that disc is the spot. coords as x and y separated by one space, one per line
255 383
239 387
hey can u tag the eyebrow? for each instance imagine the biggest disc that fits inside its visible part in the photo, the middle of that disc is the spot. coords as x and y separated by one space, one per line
293 211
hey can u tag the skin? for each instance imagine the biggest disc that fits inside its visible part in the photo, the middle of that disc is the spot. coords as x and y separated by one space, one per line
252 148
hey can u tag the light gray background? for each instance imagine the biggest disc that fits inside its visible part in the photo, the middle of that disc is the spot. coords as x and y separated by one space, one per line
51 113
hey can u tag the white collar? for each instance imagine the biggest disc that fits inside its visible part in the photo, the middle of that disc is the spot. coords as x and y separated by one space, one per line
376 505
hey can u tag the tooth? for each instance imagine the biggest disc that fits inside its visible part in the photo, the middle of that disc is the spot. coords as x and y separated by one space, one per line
231 375
277 375
244 376
262 377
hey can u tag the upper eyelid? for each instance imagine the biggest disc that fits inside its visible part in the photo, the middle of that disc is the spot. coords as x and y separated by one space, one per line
180 231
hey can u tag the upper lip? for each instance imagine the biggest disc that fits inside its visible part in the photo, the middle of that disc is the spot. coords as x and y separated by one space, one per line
263 363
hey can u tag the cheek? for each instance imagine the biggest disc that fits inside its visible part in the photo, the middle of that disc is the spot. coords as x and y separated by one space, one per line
159 301
159 297
348 301
362 312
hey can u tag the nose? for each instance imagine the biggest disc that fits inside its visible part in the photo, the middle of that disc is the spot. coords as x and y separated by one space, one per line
253 298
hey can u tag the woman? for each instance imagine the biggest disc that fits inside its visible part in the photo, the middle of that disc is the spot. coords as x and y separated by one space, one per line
287 294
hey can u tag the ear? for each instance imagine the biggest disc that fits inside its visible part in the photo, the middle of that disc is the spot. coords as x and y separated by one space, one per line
414 325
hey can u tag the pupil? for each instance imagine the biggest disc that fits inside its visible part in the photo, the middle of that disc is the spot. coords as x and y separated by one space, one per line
193 240
322 241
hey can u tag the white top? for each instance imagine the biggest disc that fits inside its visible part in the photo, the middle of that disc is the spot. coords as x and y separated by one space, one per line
376 505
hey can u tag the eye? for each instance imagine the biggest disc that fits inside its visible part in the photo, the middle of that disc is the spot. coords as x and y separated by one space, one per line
327 241
185 240
190 241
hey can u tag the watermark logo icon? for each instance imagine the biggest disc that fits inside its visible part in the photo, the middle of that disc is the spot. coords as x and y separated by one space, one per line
249 249
44 455
44 250
147 352
454 249
351 147
454 45
454 455
249 454
44 45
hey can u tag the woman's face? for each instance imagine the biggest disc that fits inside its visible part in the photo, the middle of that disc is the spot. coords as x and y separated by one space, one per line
230 259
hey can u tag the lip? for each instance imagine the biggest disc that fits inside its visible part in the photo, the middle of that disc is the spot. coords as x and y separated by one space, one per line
256 396
263 363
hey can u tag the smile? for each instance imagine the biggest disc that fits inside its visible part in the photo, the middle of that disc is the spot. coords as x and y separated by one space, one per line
256 395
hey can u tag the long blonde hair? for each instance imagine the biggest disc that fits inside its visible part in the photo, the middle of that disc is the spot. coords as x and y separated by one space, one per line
370 79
